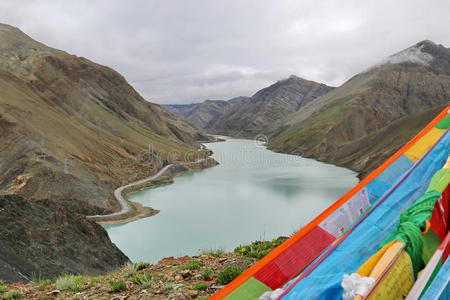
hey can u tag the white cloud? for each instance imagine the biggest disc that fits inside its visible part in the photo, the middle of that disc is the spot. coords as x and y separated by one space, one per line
185 51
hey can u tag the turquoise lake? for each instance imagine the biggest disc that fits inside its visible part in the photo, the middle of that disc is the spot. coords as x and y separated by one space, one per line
254 194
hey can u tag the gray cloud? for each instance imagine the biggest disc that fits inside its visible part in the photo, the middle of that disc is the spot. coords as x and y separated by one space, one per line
186 51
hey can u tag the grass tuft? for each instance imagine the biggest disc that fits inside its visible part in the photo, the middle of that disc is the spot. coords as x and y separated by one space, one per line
228 274
141 265
207 273
70 282
213 252
12 295
143 279
117 286
41 285
193 264
129 268
259 249
201 286
3 288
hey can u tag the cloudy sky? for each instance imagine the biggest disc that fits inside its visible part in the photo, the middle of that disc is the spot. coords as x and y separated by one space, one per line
187 51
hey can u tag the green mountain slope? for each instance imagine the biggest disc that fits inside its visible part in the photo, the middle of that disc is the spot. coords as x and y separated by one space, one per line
347 125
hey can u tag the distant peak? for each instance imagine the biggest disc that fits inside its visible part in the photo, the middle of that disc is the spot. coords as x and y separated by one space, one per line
11 30
426 42
292 77
6 26
413 54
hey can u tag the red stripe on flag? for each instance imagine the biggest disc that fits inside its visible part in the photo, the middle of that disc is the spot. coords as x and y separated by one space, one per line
440 217
446 201
294 259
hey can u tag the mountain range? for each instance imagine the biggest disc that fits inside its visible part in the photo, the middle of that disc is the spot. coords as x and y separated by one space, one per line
71 131
250 116
200 114
254 116
361 123
356 125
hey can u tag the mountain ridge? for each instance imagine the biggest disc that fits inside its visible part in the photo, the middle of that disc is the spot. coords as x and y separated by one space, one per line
72 131
200 114
367 103
245 116
249 118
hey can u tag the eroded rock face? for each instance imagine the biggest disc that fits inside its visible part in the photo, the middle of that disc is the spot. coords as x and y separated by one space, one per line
48 240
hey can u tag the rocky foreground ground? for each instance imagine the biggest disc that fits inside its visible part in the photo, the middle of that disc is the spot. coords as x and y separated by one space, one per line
196 277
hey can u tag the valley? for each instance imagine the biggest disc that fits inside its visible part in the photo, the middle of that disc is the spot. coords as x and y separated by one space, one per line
93 177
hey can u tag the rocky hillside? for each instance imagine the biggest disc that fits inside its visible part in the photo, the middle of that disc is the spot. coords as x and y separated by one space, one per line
72 129
179 278
255 116
71 132
200 114
362 122
38 237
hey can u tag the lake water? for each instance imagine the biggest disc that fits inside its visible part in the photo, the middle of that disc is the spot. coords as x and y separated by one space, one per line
253 194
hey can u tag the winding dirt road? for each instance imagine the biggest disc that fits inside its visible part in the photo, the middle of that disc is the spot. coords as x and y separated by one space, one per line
125 207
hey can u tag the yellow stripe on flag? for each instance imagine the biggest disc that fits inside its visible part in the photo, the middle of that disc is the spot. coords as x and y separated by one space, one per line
424 144
368 266
396 283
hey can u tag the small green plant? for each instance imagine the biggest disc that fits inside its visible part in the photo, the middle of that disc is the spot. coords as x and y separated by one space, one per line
117 286
65 282
41 285
228 274
168 287
2 288
214 252
37 277
96 279
130 268
259 249
143 279
207 273
201 286
193 264
77 288
70 282
12 295
141 265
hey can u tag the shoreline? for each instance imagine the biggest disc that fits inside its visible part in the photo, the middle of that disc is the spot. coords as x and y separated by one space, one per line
132 211
140 212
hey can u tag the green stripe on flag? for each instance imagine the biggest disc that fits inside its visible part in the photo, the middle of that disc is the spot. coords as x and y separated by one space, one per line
444 123
440 181
249 290
430 243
